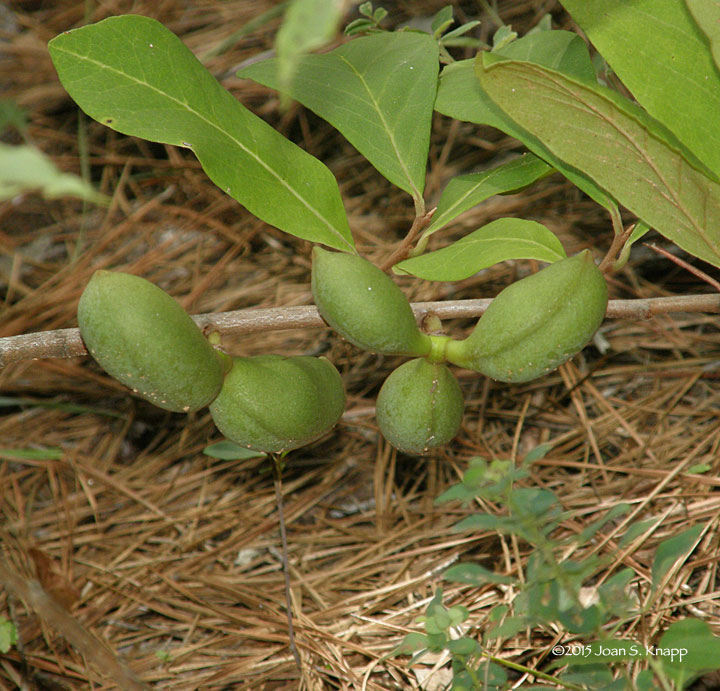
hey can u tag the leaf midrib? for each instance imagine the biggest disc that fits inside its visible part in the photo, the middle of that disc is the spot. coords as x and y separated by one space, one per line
396 150
217 127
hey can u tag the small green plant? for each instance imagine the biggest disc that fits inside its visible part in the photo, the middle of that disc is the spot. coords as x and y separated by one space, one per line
557 591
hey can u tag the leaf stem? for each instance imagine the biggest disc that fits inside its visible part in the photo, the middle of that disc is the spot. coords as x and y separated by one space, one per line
422 220
619 239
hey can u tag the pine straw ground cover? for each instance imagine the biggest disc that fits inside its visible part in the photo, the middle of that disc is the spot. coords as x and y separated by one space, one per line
172 557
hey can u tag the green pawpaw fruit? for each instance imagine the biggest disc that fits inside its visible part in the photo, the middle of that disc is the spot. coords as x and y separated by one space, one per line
364 305
143 338
273 403
537 323
420 406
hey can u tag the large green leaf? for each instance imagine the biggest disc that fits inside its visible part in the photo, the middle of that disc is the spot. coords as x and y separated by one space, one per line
465 191
595 130
378 91
659 53
503 239
707 16
461 96
135 76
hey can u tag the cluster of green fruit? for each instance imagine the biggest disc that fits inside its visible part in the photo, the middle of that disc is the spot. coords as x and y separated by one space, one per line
144 339
530 328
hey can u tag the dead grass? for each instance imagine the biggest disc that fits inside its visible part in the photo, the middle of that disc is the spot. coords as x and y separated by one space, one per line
160 550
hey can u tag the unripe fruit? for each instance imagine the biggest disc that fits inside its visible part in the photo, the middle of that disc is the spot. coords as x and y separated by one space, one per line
420 406
537 323
364 305
143 338
273 403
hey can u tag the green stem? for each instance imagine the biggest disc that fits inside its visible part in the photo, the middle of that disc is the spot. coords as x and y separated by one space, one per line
534 673
278 465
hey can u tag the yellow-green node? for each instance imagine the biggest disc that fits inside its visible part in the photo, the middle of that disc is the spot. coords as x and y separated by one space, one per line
364 305
143 338
420 406
537 323
273 403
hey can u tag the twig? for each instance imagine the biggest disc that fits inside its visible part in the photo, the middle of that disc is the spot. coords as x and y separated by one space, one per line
66 343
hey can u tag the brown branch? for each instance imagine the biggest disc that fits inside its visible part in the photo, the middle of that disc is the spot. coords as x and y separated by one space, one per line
66 343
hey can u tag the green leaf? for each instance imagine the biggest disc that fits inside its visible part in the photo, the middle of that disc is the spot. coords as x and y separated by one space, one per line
635 530
503 239
463 646
457 492
562 51
589 532
673 550
658 52
707 15
458 614
12 115
378 91
613 593
483 522
466 191
508 628
28 454
135 76
8 635
687 648
441 21
533 501
25 169
461 96
308 24
503 37
412 643
536 454
230 451
645 681
9 401
474 574
603 134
